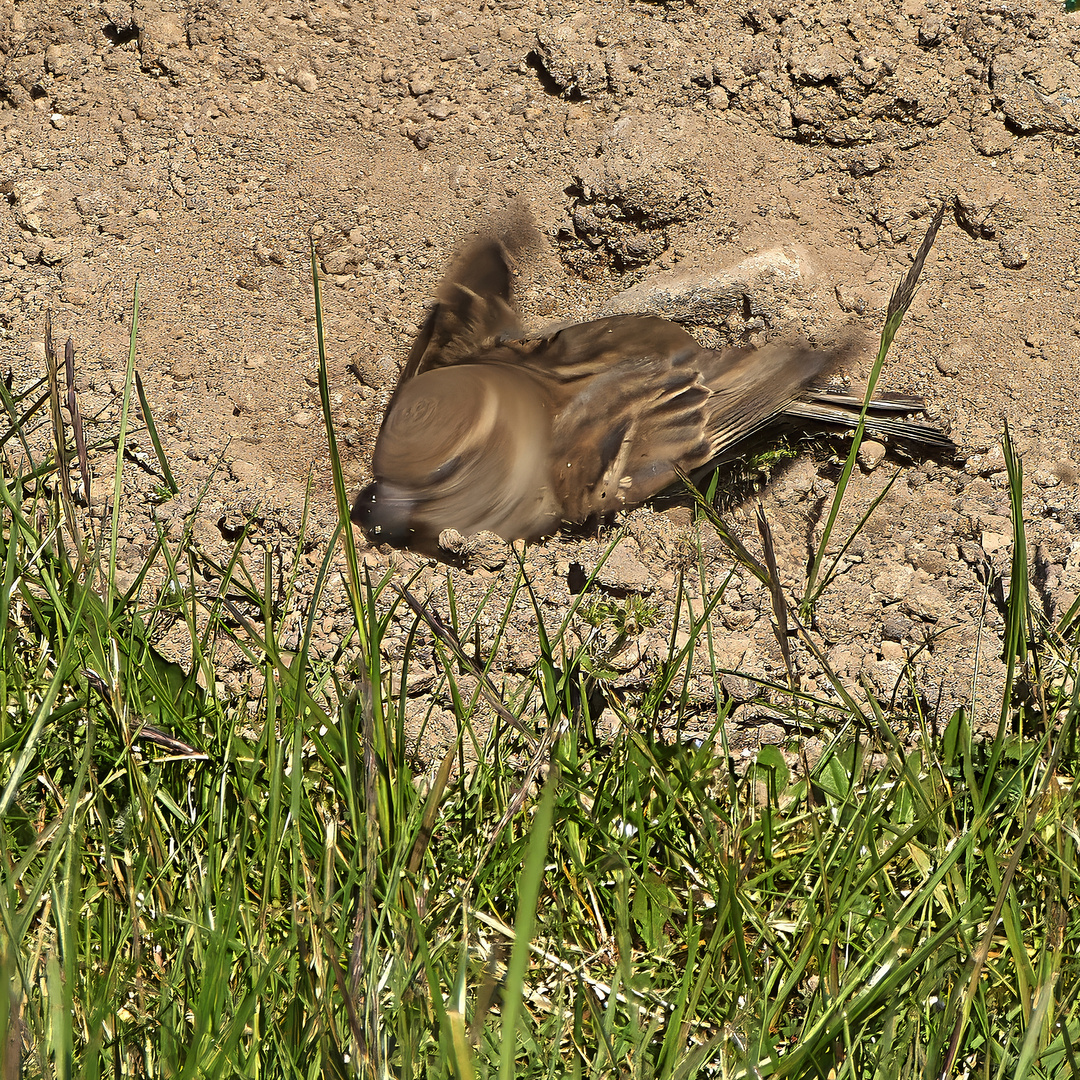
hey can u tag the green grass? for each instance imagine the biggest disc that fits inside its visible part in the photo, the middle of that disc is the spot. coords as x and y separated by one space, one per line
284 896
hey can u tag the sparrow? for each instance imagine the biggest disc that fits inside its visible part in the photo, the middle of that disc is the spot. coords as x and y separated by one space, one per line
491 429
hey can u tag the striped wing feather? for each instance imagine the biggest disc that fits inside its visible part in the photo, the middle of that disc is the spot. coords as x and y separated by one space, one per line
641 399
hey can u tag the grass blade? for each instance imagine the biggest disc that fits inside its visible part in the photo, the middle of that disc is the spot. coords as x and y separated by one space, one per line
532 877
155 439
121 444
899 302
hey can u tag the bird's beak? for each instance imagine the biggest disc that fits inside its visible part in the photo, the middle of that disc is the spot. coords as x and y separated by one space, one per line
384 512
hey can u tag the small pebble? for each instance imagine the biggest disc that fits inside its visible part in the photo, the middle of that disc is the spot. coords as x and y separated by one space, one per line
871 454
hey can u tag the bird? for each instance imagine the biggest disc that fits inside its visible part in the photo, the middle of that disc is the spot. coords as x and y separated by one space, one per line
491 429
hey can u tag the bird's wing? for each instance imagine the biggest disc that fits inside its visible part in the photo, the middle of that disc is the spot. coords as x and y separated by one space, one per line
474 304
474 307
640 399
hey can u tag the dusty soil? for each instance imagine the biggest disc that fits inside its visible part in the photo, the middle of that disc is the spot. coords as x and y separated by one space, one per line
196 146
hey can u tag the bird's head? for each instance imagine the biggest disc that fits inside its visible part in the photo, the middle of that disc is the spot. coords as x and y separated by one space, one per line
464 447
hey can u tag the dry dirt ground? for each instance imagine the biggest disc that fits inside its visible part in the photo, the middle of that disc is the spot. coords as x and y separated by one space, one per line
196 146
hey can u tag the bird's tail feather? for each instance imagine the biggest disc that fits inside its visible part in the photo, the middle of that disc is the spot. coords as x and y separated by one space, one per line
838 409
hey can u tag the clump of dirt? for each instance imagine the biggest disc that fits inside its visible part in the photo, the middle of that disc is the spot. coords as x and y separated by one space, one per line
643 181
200 148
